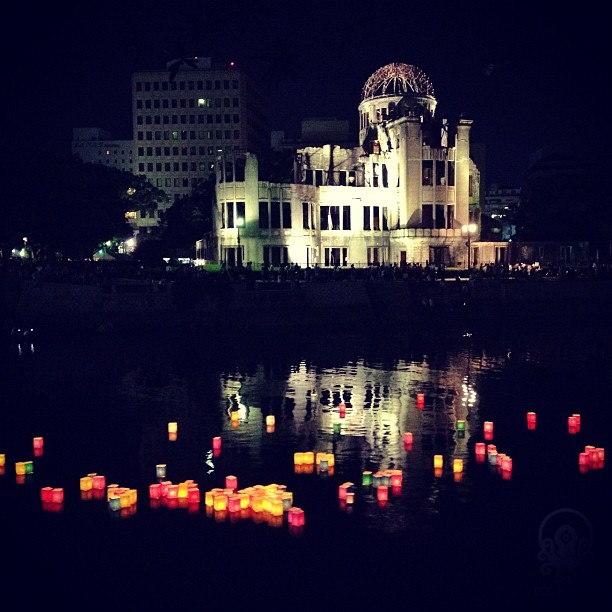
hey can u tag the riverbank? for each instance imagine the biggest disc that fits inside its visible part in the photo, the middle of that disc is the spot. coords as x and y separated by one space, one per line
225 306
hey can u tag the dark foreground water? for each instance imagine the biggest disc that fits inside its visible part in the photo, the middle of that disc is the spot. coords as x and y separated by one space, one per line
531 539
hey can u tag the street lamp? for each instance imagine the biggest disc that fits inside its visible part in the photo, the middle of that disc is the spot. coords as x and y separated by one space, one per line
239 224
469 229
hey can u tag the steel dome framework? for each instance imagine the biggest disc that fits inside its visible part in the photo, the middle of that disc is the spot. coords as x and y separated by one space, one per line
397 79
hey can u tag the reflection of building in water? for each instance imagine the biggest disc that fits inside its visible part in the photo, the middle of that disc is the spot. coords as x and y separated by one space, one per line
379 406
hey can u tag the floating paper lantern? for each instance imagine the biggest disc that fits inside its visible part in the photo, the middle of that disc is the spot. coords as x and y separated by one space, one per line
506 463
323 464
408 437
337 427
235 415
160 470
231 482
578 419
270 420
57 495
46 494
172 491
377 479
531 420
342 410
350 497
488 429
98 482
331 460
309 458
382 493
2 460
420 400
29 467
457 465
438 461
295 516
396 478
216 443
86 483
233 503
572 425
298 458
37 443
366 478
460 425
155 491
172 427
20 468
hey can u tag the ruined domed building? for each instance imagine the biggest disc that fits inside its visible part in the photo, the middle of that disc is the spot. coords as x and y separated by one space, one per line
402 196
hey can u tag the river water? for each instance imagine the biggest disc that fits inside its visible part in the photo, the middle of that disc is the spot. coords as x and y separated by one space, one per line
535 535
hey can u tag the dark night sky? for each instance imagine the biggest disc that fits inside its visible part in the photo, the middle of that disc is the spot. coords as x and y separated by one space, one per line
527 79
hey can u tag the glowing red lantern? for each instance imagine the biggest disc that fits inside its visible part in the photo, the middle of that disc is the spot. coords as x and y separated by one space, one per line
45 494
342 410
408 437
216 442
231 482
531 420
420 400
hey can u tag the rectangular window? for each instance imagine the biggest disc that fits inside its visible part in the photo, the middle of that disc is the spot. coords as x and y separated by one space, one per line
240 214
440 172
427 216
275 215
427 172
385 218
366 218
451 173
287 215
325 218
440 221
450 216
318 178
335 217
335 256
264 217
305 215
376 218
230 214
346 217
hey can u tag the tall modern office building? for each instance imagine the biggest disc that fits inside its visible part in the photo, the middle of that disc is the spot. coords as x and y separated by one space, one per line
186 114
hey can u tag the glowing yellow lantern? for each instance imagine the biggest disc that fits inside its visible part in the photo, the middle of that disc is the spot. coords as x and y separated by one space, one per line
86 483
257 502
270 420
183 488
172 427
235 415
220 502
309 458
457 465
2 460
20 468
438 461
298 458
277 506
245 500
331 460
